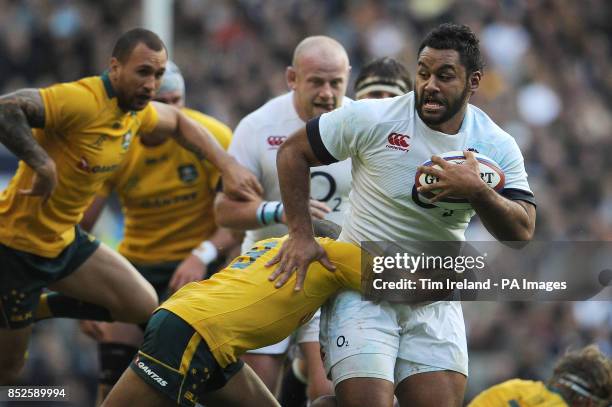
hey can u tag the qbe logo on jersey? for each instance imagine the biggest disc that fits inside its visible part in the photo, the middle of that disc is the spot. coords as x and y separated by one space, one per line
187 173
397 141
274 142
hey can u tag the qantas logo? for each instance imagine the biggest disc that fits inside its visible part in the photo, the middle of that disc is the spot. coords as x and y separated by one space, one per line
275 141
83 164
397 141
151 373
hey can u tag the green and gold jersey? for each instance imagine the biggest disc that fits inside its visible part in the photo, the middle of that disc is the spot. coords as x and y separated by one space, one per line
87 135
238 309
167 196
518 393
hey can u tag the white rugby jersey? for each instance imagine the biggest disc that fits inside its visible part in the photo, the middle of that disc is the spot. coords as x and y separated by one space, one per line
255 143
386 141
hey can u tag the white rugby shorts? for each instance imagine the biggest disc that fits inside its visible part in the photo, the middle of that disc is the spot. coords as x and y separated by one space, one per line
391 341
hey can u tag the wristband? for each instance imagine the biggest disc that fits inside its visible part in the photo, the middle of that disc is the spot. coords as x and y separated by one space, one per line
270 212
206 252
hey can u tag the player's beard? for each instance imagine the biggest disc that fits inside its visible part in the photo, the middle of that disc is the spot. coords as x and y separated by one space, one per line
451 107
124 102
129 103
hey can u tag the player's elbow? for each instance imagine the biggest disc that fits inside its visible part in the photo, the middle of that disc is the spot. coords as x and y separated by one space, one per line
519 242
524 229
180 122
519 238
528 228
527 234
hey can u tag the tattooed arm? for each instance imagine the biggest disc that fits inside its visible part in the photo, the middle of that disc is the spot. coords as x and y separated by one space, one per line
238 182
19 112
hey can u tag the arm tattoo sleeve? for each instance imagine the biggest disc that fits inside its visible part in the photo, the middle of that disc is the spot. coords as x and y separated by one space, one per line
189 146
19 112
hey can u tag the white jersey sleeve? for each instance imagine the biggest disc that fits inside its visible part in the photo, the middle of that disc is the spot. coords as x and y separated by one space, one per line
512 163
502 148
242 146
335 133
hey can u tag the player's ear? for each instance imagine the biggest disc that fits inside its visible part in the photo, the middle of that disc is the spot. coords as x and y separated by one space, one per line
474 80
291 77
114 65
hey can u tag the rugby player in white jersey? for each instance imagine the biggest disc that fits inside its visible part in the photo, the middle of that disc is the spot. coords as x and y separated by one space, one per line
378 79
317 79
375 349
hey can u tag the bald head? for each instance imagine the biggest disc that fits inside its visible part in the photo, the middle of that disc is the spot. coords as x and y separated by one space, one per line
319 47
318 76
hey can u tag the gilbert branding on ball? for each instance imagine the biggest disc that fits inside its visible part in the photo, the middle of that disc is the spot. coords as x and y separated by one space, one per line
490 173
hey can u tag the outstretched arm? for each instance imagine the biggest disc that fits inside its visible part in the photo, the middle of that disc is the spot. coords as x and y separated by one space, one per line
20 111
238 182
294 159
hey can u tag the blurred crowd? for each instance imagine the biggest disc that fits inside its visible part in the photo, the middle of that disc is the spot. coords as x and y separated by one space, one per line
548 82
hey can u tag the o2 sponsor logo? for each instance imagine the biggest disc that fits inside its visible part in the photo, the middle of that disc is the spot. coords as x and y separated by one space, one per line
326 192
342 342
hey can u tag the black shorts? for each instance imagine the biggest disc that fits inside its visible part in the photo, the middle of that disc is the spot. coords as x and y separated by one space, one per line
176 360
160 274
24 275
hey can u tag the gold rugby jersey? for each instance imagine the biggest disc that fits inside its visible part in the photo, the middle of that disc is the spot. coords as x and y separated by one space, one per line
238 309
167 196
87 135
518 393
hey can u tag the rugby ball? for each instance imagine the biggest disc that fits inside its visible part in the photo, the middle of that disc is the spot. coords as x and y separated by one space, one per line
490 173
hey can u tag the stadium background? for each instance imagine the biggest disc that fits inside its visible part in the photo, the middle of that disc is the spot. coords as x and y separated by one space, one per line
548 82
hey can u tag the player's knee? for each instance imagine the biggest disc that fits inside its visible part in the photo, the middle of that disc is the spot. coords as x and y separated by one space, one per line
136 309
147 305
364 391
324 401
319 388
10 367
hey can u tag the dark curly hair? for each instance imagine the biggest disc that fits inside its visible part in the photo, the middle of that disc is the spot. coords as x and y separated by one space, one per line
388 70
460 38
